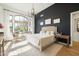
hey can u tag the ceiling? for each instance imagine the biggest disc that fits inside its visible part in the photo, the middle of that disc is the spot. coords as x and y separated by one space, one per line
27 7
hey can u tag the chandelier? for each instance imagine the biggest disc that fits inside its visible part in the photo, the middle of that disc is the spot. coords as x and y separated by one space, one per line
31 13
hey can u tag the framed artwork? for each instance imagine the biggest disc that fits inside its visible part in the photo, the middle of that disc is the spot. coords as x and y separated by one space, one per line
56 20
48 21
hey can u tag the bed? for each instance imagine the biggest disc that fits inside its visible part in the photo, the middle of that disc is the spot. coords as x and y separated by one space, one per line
44 38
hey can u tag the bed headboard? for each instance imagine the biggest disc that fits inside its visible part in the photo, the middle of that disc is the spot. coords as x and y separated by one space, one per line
49 28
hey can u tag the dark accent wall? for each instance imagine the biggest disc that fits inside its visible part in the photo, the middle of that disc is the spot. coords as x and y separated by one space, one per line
58 10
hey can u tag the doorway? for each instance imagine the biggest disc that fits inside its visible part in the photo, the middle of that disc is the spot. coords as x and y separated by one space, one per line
74 29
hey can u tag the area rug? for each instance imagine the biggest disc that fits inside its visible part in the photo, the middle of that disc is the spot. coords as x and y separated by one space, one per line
25 49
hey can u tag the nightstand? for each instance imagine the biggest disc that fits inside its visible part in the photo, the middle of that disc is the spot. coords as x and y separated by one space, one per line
65 37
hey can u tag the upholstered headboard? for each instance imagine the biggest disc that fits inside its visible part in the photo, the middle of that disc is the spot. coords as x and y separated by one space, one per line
49 28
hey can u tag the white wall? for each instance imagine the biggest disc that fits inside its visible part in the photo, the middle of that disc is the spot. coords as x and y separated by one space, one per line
33 25
7 33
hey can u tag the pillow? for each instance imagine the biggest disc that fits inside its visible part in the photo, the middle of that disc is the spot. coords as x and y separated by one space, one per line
47 33
42 32
59 34
51 32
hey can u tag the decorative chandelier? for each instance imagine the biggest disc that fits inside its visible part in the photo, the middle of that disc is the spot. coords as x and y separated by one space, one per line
31 13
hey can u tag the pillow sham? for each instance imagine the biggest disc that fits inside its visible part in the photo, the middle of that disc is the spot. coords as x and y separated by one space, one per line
51 32
42 32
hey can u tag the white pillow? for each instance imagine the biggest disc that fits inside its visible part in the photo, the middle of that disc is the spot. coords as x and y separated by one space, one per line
51 32
42 33
47 33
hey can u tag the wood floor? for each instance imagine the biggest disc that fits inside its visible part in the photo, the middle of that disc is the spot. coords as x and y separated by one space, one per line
72 51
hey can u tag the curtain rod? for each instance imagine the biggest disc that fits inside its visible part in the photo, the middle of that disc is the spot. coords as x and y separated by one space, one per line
14 12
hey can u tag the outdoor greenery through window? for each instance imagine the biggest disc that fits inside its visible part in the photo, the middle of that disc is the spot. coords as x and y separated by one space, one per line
20 24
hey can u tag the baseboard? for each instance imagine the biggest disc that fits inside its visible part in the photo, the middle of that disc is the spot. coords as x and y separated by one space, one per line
76 40
62 43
